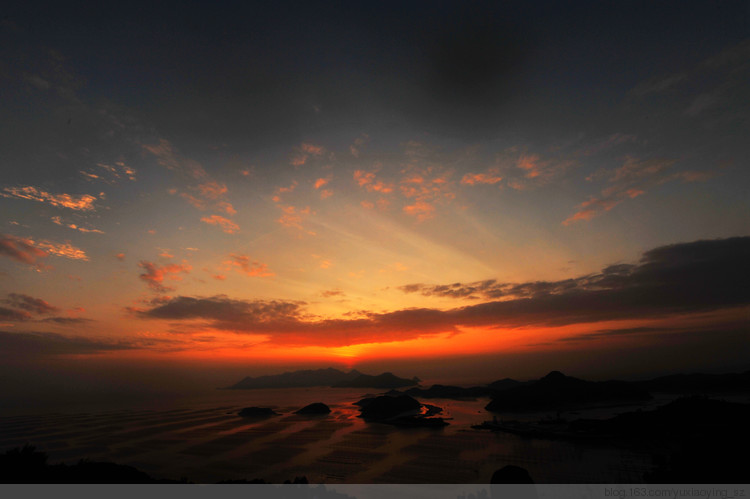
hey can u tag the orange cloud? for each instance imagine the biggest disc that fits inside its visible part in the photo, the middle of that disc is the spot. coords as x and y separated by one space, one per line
363 178
58 221
208 194
591 208
30 252
634 169
292 216
529 163
120 256
116 172
243 265
367 180
84 202
226 225
65 250
321 182
305 150
212 189
281 190
629 181
154 274
480 178
420 209
312 149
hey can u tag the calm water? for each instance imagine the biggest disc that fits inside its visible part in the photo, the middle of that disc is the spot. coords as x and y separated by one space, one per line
199 436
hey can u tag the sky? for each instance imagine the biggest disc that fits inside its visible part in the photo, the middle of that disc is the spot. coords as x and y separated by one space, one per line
486 188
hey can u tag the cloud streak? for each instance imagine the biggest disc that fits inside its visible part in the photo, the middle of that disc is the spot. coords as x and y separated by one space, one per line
82 202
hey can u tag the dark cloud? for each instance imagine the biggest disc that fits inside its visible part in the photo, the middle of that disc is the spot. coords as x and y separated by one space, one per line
608 333
67 321
41 344
697 275
7 314
677 279
29 303
154 274
222 309
21 250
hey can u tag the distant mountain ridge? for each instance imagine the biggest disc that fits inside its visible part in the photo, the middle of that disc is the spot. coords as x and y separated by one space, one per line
385 380
324 377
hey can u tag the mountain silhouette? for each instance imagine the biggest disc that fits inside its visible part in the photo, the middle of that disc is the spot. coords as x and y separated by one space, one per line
385 380
557 391
297 379
324 377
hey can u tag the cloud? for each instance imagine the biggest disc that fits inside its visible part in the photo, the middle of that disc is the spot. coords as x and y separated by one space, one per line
58 221
29 303
22 250
670 280
167 157
367 180
292 216
657 85
212 189
420 209
321 182
355 148
702 102
8 314
610 142
243 265
634 178
283 321
114 173
223 309
65 250
42 344
154 274
83 202
67 321
304 152
609 333
120 256
30 252
481 178
680 278
208 194
591 208
226 225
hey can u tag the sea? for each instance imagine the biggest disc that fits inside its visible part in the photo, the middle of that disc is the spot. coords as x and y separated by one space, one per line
198 435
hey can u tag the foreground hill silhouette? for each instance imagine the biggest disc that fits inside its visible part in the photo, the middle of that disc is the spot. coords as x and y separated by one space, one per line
324 377
27 465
